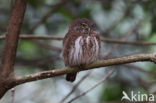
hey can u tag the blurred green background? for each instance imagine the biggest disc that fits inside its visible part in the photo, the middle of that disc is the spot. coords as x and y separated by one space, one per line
131 20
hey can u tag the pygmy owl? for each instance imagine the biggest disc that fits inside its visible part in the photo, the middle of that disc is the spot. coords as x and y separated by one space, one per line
81 45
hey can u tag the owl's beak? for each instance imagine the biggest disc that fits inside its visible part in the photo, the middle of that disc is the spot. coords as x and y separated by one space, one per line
89 30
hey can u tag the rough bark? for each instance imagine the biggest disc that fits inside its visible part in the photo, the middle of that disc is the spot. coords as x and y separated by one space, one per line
10 46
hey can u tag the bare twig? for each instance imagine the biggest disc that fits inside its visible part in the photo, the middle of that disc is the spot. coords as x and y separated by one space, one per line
29 36
40 62
123 39
140 69
115 23
98 83
106 40
13 95
52 11
75 87
47 46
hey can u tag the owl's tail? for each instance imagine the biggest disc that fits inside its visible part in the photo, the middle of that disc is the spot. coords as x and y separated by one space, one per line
71 77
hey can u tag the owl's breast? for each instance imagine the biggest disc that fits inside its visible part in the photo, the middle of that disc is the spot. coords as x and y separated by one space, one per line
84 51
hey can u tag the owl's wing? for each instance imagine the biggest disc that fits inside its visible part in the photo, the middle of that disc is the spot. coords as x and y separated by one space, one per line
65 50
70 38
68 43
96 34
65 39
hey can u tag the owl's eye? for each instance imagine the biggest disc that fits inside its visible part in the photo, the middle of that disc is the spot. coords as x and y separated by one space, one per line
83 25
93 26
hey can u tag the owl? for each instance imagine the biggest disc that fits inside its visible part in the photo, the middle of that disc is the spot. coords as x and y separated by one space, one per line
81 45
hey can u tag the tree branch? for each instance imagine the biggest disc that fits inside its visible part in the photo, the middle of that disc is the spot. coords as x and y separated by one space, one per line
106 40
101 63
10 46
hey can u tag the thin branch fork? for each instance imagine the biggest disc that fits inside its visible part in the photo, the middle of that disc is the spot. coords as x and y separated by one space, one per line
75 86
50 13
97 84
106 40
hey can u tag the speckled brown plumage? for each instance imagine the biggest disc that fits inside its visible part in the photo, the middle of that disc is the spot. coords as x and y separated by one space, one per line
81 45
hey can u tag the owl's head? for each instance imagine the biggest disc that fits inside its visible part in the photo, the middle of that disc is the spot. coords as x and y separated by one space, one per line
83 26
